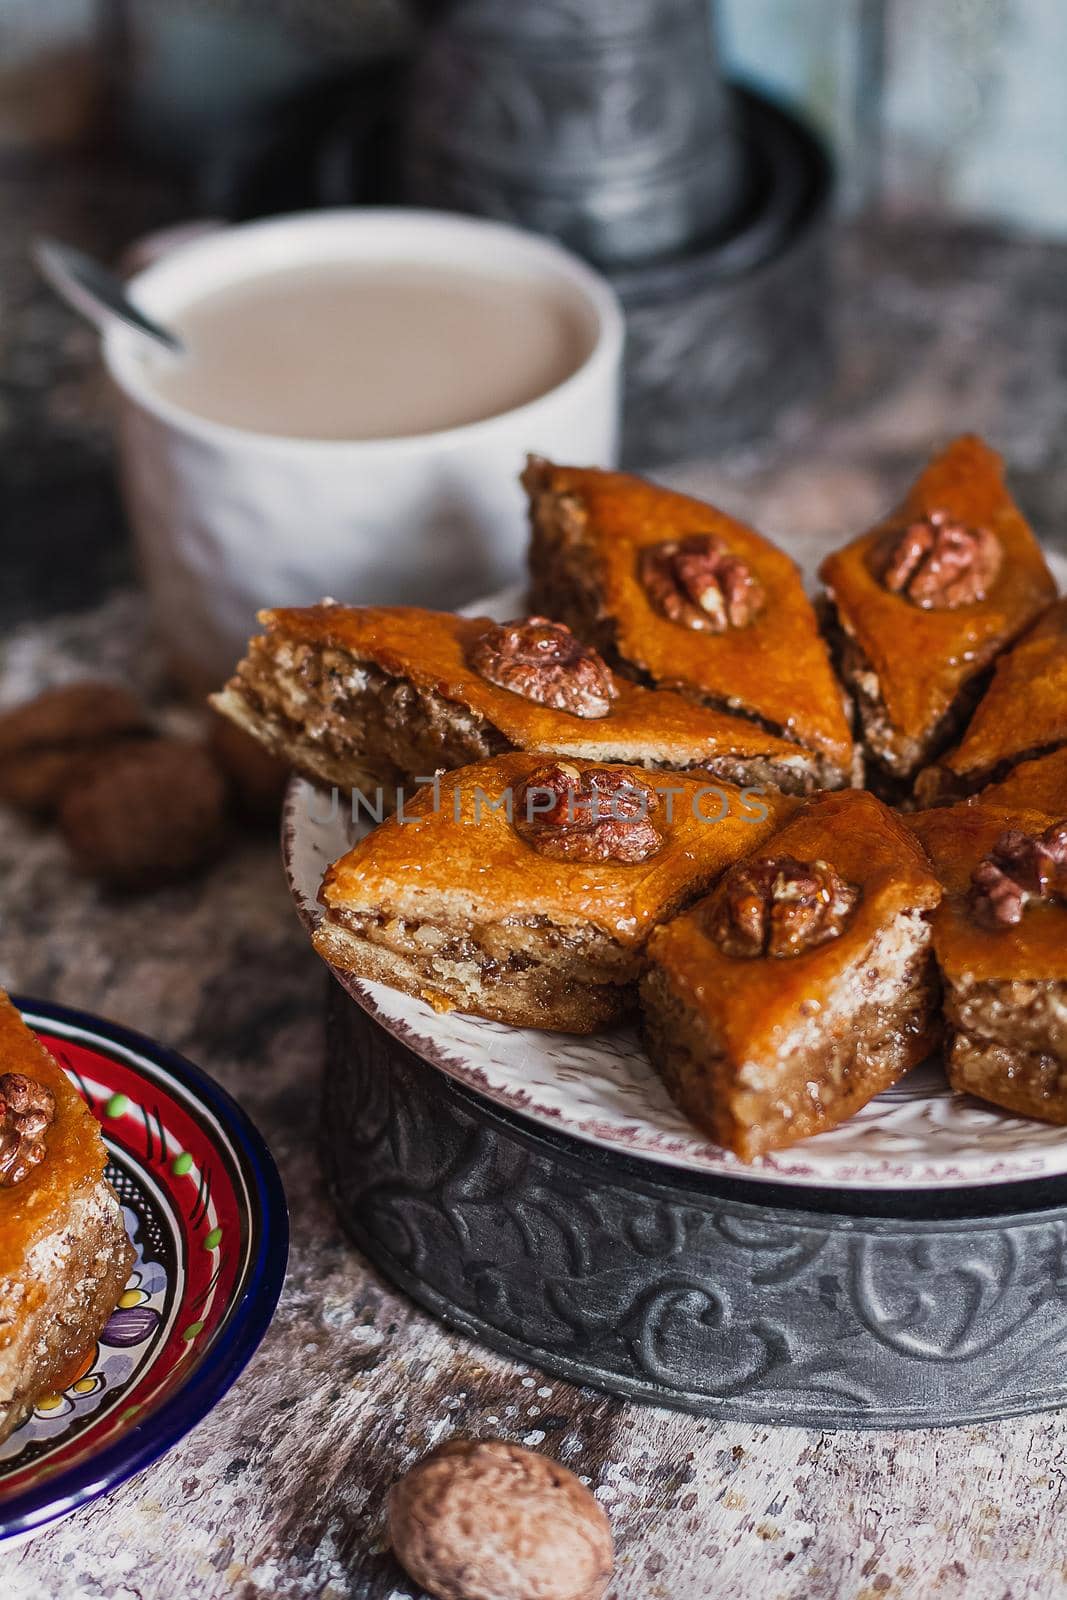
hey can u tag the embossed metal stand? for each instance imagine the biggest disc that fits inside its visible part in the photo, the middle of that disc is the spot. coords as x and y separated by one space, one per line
730 1298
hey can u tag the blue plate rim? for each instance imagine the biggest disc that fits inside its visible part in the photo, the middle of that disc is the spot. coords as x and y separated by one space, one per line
33 1509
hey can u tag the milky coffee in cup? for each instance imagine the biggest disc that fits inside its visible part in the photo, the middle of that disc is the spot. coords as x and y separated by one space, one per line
371 350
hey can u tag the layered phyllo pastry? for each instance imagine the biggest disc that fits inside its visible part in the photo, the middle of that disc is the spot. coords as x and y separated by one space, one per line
1000 935
524 889
803 985
374 698
64 1254
676 594
1021 717
925 601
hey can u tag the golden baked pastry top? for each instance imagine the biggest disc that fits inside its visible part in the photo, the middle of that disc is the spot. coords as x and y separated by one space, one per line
776 666
1038 785
957 839
431 649
75 1156
1025 706
923 657
454 855
756 1001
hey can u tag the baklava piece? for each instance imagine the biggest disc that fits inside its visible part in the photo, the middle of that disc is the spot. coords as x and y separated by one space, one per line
674 593
803 985
64 1254
523 889
924 602
372 698
1039 785
1000 935
1022 715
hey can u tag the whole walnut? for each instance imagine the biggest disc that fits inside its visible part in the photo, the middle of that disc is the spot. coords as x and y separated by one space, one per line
154 813
488 1520
27 1110
257 779
49 743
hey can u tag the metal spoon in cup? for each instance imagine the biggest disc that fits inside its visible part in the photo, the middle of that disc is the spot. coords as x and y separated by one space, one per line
96 292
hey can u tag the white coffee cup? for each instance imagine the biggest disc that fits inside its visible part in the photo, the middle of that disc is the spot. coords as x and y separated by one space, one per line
227 520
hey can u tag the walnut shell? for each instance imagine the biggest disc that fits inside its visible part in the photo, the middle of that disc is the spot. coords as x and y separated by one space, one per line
256 778
154 813
488 1520
49 744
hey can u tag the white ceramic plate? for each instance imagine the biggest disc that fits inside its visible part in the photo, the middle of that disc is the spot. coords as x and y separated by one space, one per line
604 1090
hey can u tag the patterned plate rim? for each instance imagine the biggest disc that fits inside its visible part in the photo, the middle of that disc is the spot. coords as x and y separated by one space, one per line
32 1509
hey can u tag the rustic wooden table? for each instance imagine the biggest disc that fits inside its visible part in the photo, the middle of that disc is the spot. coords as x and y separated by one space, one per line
280 1491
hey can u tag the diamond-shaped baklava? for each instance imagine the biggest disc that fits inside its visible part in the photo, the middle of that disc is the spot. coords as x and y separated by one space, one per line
375 697
64 1254
1000 935
523 889
676 593
803 985
1038 785
1023 714
926 600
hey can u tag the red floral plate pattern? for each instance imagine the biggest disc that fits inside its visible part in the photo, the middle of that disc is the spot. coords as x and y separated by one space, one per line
205 1210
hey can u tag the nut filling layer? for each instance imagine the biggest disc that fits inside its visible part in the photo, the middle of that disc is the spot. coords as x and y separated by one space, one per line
593 815
1021 869
940 564
780 907
27 1110
699 584
544 662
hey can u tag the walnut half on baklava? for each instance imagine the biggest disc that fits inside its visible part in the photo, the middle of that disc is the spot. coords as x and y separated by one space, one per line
925 601
524 890
64 1254
803 985
1000 935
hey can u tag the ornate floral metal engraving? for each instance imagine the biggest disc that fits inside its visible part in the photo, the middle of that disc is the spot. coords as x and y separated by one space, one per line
673 1288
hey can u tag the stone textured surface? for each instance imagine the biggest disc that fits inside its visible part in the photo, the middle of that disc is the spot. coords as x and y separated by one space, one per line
63 540
281 1491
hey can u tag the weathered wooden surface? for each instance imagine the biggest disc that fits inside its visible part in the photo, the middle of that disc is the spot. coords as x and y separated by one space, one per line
280 1492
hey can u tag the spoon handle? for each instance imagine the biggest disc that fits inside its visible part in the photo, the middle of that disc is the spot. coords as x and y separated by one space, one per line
94 291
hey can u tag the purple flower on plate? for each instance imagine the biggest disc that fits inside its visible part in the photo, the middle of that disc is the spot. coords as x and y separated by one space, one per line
130 1325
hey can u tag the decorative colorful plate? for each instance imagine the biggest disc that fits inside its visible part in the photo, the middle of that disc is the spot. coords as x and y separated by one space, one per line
604 1089
206 1214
